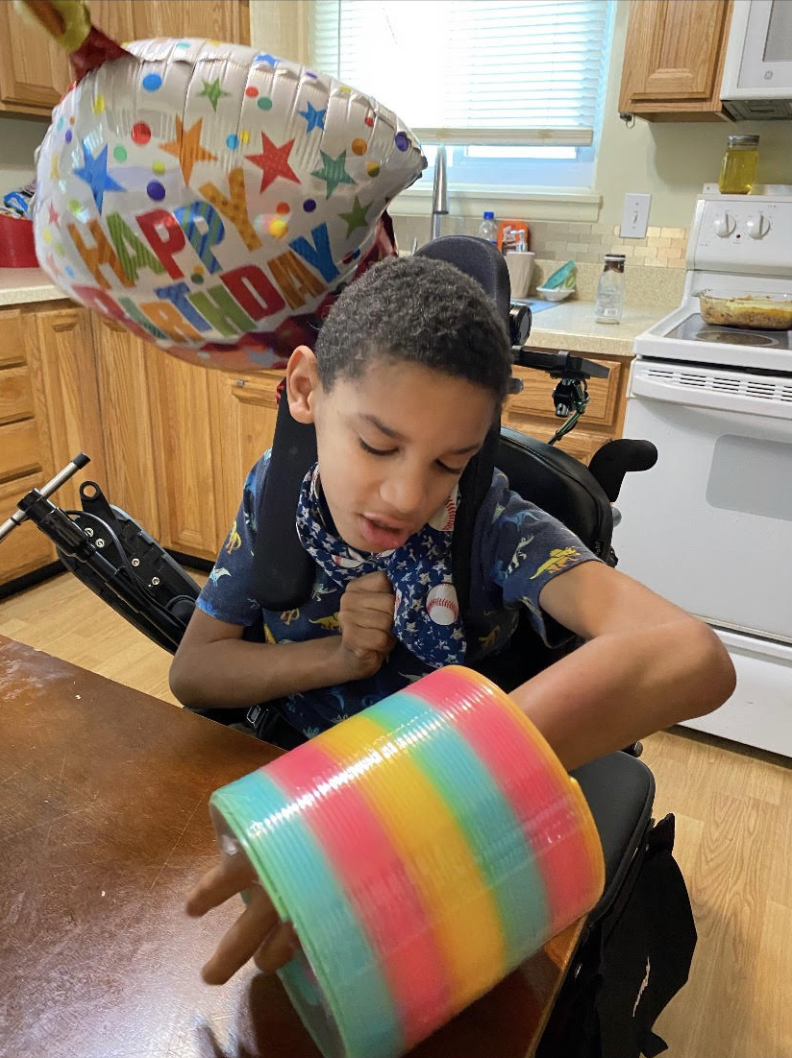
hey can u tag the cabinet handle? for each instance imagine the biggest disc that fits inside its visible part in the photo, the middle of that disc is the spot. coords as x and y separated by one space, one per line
240 382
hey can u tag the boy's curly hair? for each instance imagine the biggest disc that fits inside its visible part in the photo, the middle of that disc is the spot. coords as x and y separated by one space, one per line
418 310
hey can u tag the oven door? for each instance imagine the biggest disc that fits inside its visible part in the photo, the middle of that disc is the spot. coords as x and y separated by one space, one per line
710 526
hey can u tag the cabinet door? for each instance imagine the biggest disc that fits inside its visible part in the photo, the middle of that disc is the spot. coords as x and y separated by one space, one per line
26 549
673 51
34 70
184 455
245 412
61 360
215 19
536 397
125 399
116 17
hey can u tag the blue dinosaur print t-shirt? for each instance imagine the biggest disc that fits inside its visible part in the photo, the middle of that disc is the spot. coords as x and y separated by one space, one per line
517 548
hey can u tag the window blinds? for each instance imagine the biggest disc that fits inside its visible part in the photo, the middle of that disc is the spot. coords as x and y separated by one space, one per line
473 71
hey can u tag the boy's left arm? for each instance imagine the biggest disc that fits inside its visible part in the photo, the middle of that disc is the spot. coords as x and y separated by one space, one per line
646 665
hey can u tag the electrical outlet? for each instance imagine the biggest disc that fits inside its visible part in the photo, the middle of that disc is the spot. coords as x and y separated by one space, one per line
635 216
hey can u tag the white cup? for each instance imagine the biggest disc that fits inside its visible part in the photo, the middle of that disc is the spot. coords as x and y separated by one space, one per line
520 266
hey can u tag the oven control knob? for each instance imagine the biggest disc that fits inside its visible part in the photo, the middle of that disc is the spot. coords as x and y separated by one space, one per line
757 226
724 225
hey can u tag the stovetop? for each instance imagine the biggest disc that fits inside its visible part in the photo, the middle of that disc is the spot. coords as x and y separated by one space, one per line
694 329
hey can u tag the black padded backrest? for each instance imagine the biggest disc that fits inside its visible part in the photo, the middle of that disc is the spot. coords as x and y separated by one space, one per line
479 259
559 484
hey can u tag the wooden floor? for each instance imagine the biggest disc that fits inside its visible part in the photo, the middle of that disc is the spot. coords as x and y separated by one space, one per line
734 837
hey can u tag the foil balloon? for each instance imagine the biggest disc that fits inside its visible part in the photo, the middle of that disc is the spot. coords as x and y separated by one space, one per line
213 198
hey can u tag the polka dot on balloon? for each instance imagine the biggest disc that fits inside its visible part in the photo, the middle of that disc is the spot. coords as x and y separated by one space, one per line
370 120
71 121
359 146
260 223
232 141
278 228
68 135
119 153
244 136
74 206
152 81
155 190
141 133
46 235
401 140
309 205
251 91
98 105
183 44
283 207
197 278
69 271
59 126
373 169
158 168
59 249
264 103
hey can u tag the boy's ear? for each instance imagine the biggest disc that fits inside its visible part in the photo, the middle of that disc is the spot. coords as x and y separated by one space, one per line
302 384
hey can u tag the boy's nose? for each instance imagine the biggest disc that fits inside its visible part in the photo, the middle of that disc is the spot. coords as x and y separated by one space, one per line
405 496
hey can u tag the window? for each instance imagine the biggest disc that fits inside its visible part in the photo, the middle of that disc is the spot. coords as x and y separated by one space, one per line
515 87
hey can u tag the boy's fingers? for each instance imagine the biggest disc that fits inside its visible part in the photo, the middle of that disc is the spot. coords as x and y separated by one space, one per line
371 582
242 940
220 884
278 949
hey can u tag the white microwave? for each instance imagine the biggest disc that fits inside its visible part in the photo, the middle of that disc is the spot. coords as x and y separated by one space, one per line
757 72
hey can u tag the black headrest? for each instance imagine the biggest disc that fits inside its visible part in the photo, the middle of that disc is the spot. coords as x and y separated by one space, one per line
479 259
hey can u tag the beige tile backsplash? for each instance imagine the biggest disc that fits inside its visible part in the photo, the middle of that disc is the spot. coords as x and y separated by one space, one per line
654 269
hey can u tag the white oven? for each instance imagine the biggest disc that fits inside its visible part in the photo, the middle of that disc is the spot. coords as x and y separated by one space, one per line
710 526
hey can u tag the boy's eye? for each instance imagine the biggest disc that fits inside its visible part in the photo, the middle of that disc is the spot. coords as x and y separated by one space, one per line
375 451
450 470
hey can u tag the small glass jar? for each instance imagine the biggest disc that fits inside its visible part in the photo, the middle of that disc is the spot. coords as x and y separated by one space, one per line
610 290
738 168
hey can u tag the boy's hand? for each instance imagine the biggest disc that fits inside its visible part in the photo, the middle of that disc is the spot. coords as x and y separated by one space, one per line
258 933
366 619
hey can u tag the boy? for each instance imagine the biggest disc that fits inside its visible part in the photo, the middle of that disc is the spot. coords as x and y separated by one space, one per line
409 370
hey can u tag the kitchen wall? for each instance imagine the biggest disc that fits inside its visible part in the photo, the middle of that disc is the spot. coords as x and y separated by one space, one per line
672 160
19 138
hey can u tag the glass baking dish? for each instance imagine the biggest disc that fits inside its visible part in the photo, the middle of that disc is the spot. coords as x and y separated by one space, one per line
748 308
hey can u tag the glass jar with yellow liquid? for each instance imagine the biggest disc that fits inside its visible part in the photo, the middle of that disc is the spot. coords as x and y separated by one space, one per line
738 168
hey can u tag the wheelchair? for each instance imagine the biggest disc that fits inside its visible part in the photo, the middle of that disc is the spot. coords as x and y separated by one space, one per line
114 556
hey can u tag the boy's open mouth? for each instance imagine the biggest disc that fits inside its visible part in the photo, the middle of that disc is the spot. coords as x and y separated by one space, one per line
383 534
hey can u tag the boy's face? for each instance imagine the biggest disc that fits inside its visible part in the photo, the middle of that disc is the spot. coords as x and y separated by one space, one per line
392 445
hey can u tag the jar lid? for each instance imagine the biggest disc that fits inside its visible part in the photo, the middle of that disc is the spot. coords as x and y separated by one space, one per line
743 141
615 257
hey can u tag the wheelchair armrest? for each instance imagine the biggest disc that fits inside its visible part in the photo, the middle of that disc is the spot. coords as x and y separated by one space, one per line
615 459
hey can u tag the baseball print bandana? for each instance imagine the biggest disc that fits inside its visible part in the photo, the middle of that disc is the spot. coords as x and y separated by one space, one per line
426 617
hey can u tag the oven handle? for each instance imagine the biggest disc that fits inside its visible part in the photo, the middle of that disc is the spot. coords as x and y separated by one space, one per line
673 393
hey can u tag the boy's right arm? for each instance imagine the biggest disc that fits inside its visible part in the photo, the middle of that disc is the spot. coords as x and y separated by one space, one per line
215 668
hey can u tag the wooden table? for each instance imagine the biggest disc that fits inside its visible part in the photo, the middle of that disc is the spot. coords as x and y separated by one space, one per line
103 829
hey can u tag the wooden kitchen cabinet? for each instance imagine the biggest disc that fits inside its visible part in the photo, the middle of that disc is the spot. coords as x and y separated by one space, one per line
673 59
532 410
48 412
128 421
245 410
186 470
215 19
35 71
65 392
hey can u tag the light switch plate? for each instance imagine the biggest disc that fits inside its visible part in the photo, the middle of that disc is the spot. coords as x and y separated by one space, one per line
635 216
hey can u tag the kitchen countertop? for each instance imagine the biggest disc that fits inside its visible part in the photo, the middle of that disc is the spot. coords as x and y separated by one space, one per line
19 286
570 326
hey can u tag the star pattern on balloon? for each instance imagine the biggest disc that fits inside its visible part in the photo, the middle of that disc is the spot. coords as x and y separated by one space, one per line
54 218
333 172
265 57
356 217
273 162
94 172
213 92
314 118
187 148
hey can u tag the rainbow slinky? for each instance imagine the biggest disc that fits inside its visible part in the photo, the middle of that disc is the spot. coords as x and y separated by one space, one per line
422 849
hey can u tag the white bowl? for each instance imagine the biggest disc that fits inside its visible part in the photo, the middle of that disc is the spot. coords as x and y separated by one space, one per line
555 294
